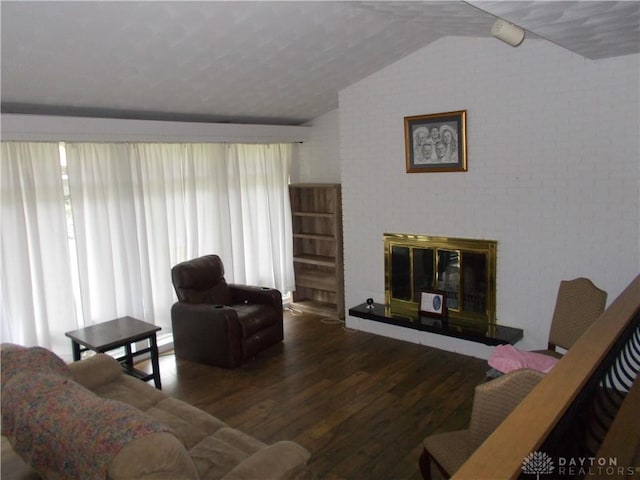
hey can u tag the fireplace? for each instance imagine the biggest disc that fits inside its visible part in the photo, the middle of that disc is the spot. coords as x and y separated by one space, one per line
463 269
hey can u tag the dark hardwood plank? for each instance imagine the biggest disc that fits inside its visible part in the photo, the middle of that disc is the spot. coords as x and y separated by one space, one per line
361 403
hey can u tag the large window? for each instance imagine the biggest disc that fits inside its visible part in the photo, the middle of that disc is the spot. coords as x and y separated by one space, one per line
91 231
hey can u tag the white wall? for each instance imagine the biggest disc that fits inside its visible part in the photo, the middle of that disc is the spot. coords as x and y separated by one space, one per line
318 158
554 173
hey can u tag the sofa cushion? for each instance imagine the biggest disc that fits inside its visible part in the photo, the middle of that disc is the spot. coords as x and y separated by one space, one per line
128 389
157 456
279 461
57 425
218 454
189 423
232 455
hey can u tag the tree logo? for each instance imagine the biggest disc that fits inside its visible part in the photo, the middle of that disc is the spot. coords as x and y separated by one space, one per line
537 463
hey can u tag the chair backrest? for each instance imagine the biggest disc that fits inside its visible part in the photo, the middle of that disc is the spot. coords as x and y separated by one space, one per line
493 401
201 280
578 305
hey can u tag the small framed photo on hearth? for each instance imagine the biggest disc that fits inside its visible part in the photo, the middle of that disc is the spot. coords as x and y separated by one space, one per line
433 303
436 142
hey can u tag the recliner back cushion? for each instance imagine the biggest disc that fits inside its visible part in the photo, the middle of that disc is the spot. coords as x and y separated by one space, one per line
201 280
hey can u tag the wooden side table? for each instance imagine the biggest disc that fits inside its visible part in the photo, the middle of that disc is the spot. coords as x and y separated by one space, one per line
121 332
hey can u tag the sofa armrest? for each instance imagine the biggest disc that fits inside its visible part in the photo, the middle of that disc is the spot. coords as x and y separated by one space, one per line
96 371
281 461
252 294
207 334
158 456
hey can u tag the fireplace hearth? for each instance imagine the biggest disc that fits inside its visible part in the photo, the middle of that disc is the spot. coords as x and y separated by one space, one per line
490 335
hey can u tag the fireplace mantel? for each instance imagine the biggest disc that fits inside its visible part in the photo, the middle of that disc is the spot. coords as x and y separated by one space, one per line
491 335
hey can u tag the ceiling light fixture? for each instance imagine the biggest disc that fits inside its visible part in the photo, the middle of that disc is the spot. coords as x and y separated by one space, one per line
507 32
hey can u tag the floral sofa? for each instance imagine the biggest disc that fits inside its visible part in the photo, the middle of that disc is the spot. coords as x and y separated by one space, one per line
89 420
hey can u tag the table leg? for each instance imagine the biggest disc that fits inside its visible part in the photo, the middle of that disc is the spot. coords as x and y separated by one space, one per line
75 348
128 359
155 364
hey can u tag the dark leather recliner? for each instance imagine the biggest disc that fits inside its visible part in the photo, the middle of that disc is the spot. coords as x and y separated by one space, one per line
218 323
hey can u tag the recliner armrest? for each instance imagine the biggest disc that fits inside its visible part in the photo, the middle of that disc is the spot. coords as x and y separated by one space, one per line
252 294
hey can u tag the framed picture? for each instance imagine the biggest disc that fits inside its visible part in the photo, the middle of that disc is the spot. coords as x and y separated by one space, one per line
433 303
436 143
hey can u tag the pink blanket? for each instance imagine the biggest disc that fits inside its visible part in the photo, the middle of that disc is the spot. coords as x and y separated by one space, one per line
506 358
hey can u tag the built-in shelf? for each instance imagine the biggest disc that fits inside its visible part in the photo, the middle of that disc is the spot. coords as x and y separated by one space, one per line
315 260
317 248
314 236
314 306
317 279
313 214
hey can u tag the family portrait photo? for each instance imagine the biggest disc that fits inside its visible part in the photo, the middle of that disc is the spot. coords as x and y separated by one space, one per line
436 143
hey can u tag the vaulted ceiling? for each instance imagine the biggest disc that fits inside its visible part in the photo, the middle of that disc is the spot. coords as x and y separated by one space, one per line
272 62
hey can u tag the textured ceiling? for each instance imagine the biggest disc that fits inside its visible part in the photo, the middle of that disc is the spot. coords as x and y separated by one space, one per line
591 29
253 62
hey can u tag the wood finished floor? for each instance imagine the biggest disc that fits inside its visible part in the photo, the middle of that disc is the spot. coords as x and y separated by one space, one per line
360 403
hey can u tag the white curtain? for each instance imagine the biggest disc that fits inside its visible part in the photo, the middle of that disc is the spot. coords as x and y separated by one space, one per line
36 292
141 208
185 210
112 264
258 178
185 196
138 209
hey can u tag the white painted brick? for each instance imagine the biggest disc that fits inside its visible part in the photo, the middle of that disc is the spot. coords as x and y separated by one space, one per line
554 172
318 158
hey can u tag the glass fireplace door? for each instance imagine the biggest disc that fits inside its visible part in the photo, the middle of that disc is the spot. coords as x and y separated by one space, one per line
462 268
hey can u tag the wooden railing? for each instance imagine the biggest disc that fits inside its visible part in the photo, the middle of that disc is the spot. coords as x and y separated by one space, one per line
556 417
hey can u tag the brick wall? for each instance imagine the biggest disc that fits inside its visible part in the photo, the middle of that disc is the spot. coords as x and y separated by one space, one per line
554 172
318 159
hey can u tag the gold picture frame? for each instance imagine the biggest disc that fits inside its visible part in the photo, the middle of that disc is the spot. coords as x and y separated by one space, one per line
436 142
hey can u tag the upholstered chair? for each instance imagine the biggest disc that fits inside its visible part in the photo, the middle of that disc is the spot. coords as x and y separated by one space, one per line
493 401
578 304
219 323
